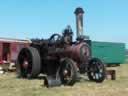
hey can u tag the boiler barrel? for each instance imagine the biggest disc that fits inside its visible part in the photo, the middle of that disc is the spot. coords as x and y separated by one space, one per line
79 51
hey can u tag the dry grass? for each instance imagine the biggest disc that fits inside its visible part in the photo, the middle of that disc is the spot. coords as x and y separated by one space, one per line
12 86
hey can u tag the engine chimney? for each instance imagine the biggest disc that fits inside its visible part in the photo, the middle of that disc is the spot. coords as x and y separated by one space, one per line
79 21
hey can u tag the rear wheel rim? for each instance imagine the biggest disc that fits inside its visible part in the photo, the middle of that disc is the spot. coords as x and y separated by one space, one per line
25 61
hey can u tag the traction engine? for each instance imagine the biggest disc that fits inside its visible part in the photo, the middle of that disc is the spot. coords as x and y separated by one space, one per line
61 58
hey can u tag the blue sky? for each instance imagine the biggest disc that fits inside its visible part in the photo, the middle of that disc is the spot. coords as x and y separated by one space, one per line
104 20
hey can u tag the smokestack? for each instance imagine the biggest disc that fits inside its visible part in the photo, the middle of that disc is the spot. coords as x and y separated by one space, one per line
79 21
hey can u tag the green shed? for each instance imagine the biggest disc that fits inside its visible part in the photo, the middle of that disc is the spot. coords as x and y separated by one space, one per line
109 52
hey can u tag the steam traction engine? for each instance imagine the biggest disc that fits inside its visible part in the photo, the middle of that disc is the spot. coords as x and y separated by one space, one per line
61 57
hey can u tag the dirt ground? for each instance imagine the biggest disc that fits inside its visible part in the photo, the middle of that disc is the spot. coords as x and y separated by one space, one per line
10 85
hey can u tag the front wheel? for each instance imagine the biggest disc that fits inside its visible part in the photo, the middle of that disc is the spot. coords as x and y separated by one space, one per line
67 72
96 70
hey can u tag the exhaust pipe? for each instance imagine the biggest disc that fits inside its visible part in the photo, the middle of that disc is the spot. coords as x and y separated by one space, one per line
79 22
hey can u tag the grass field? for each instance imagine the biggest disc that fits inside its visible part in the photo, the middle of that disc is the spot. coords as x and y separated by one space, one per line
12 86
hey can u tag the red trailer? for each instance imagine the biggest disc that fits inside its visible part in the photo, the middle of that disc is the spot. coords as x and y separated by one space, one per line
9 49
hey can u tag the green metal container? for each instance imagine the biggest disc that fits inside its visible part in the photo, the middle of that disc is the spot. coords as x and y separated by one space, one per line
109 52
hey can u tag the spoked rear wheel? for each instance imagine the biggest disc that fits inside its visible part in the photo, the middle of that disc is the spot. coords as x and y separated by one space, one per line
28 62
96 70
67 72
